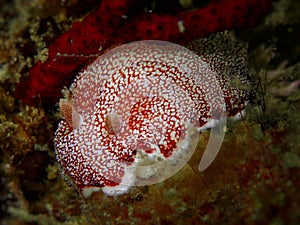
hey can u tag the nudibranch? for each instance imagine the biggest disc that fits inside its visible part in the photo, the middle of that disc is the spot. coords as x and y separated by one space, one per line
133 116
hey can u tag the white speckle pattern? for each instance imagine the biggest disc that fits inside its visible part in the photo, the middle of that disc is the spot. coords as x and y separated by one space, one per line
138 99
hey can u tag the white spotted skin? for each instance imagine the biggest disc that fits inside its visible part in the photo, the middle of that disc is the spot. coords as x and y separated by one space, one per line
138 99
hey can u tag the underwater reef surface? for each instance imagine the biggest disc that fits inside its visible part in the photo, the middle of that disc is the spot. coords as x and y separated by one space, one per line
254 179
